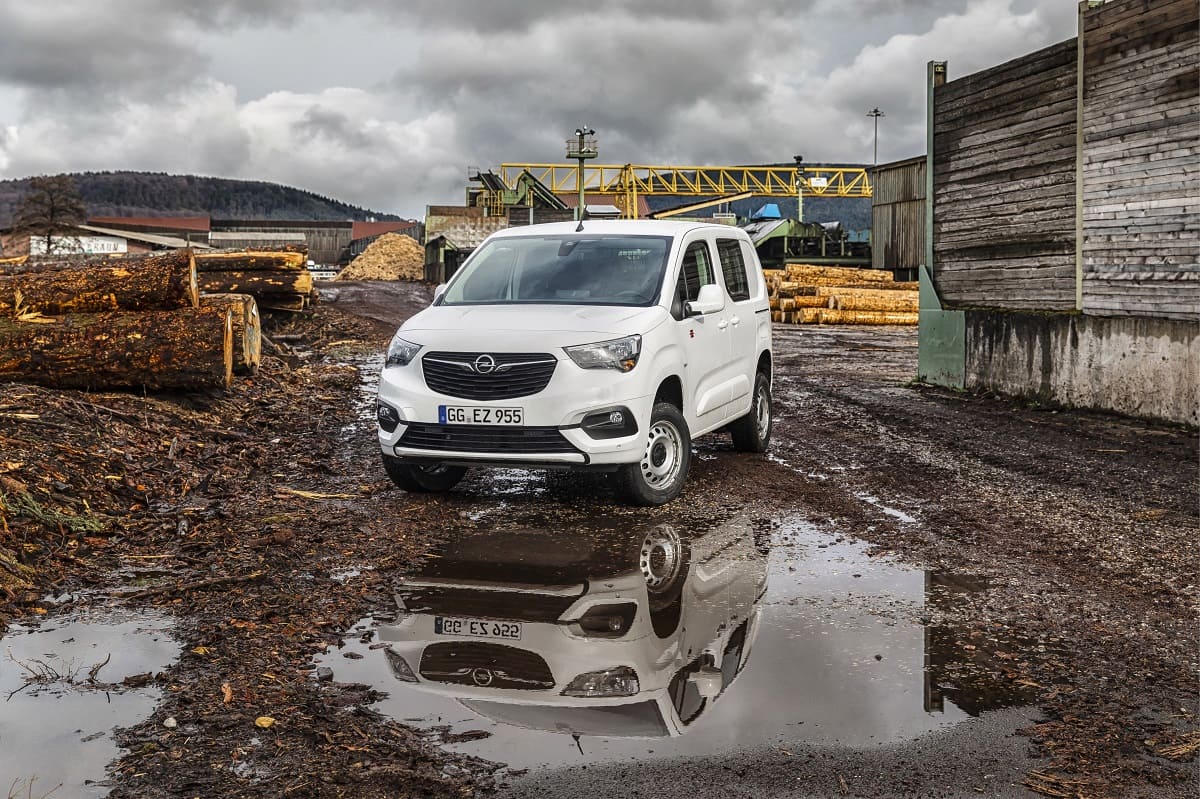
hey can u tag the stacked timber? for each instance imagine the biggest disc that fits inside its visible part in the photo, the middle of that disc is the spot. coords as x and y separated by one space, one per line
278 280
134 322
835 295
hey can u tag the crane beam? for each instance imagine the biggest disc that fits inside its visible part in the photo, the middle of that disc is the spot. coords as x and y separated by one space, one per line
625 182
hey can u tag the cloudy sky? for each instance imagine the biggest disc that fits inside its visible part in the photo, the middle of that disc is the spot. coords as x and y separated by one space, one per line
386 104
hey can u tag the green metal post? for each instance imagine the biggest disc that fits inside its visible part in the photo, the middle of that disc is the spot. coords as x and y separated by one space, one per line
941 352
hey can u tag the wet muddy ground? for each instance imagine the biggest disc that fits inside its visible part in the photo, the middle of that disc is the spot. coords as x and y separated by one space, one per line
961 595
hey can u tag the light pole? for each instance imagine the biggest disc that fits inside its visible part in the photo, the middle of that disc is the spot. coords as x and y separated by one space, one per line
875 112
582 147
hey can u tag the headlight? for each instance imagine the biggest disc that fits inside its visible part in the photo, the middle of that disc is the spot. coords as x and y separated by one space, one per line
400 668
401 352
620 354
618 681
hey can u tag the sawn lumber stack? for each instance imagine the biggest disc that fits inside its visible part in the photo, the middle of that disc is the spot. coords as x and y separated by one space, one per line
137 321
834 295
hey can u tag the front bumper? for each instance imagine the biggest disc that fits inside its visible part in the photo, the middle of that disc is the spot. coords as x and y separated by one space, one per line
559 410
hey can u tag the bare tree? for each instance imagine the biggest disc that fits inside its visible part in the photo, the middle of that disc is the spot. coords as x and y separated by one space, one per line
51 208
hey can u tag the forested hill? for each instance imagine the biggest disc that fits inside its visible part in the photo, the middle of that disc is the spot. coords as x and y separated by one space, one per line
158 194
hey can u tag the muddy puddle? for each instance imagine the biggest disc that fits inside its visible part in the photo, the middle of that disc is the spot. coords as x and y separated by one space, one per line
539 649
65 685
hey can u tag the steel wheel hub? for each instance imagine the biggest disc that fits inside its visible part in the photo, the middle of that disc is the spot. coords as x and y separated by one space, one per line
663 457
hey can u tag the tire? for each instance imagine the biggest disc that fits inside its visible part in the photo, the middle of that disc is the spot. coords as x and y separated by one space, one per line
659 476
752 432
664 558
434 478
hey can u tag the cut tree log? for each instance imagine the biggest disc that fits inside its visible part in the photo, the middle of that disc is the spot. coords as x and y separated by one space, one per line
906 301
283 302
191 348
247 329
795 303
804 272
161 282
250 261
257 283
828 317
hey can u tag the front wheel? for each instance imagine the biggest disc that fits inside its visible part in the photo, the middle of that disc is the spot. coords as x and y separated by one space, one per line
421 479
658 477
752 432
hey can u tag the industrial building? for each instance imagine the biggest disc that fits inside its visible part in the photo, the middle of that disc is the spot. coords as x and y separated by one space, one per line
329 243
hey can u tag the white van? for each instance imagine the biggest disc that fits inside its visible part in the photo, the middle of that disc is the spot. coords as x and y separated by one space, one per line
604 345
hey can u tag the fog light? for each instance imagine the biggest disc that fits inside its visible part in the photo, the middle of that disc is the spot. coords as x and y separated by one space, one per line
612 423
608 621
388 417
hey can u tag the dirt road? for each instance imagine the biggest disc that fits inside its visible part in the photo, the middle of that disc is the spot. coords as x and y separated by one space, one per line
963 595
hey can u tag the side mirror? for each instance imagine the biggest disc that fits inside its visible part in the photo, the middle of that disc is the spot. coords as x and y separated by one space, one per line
708 682
438 292
709 300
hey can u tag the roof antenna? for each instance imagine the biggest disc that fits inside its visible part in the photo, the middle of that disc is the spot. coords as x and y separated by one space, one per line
579 228
578 743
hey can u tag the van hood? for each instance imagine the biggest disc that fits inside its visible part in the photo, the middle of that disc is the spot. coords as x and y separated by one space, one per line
567 324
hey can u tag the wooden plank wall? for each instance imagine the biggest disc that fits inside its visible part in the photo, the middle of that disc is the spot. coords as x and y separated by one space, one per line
1141 159
1004 184
898 215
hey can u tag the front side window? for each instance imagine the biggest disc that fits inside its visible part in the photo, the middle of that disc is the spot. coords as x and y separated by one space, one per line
733 267
567 269
696 271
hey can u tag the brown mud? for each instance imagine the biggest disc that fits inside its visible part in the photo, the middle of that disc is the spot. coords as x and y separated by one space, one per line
240 515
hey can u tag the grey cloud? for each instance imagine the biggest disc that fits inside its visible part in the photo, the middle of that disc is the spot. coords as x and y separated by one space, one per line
333 126
701 81
49 49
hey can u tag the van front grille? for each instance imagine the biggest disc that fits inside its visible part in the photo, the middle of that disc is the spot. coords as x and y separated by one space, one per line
488 376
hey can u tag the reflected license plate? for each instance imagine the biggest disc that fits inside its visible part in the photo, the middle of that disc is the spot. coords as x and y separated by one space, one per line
475 414
477 628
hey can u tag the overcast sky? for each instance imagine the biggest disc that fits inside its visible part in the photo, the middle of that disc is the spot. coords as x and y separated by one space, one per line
386 104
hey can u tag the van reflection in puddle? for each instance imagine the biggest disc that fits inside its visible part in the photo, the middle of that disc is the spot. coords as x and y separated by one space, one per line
607 632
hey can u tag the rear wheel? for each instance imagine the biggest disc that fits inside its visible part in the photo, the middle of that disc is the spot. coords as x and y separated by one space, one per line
752 432
658 477
422 479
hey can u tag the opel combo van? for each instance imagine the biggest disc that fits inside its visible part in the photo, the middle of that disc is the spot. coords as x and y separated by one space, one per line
606 345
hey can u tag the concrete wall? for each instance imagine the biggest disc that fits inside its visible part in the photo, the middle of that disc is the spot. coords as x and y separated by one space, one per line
1139 366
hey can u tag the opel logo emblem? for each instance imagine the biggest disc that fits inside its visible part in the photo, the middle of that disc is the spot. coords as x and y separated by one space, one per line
485 364
482 677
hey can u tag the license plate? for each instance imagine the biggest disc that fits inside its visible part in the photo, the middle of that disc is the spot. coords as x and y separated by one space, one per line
477 628
476 414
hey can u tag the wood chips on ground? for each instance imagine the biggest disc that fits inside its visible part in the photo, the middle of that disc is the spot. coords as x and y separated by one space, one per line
393 256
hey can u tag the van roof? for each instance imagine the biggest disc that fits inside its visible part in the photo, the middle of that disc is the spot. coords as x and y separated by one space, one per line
628 227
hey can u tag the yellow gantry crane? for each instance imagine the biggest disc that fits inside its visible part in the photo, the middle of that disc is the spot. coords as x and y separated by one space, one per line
625 183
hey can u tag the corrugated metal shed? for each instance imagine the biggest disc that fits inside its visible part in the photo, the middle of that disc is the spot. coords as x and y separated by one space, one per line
898 217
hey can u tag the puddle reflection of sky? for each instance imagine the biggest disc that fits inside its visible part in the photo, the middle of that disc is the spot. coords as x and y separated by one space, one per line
839 660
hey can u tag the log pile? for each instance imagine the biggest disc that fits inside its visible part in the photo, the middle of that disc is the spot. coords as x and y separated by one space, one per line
803 294
278 280
137 322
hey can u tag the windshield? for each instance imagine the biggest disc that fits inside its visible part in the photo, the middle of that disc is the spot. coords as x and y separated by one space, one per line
567 269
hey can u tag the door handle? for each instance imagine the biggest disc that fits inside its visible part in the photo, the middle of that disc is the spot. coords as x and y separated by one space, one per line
722 325
735 320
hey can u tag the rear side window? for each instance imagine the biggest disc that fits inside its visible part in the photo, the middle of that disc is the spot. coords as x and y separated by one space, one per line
733 266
